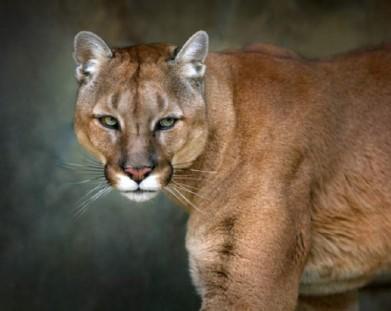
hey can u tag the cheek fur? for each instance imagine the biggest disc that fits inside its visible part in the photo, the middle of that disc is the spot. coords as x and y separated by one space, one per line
105 141
172 141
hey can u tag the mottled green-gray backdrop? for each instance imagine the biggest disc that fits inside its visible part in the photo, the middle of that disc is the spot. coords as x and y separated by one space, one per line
120 256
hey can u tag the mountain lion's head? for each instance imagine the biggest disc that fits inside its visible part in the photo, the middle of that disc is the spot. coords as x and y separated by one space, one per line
140 110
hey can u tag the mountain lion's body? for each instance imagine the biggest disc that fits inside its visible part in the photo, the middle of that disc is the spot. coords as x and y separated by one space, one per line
300 201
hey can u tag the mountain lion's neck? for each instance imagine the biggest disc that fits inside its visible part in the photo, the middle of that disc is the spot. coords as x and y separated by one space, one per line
219 93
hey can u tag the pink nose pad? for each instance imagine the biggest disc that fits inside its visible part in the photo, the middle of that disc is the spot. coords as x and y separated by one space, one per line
137 174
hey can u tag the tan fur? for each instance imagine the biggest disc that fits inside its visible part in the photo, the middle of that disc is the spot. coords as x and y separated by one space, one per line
300 201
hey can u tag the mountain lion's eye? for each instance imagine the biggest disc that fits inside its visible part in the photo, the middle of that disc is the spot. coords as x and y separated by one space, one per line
109 122
165 124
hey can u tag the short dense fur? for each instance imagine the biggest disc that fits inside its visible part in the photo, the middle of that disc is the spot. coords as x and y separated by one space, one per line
300 204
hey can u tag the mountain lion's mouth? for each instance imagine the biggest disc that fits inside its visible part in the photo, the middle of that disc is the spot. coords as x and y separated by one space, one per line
137 190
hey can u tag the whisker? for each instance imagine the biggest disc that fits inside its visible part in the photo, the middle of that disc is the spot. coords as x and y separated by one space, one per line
183 184
92 161
182 164
195 170
84 168
179 163
91 173
89 192
78 164
180 198
82 208
88 195
189 191
82 165
202 171
187 177
174 195
85 181
186 199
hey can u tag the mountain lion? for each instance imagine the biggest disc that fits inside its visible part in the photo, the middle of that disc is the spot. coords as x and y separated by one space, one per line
283 162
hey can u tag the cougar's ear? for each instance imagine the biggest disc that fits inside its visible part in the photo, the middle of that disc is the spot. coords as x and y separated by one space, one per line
90 51
192 55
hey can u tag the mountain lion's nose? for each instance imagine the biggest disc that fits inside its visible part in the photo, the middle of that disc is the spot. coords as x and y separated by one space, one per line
137 173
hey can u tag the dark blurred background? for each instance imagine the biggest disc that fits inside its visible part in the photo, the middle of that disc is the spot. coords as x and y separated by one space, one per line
120 256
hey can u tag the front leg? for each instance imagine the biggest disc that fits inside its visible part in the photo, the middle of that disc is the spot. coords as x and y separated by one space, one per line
248 258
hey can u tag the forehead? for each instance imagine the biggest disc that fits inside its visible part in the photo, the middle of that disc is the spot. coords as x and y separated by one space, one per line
139 63
137 80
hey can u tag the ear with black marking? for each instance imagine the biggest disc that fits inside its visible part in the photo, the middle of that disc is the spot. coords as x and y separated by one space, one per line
90 51
192 55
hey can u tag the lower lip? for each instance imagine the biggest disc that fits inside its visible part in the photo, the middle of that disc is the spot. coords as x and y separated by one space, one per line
139 191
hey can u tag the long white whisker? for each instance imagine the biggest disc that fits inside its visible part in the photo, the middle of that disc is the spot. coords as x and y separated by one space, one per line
86 171
74 164
85 181
85 168
83 207
189 191
89 192
93 161
186 199
174 195
87 196
185 185
181 165
188 177
81 165
180 170
202 171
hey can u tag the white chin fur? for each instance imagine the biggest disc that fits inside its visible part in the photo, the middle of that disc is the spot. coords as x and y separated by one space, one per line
141 196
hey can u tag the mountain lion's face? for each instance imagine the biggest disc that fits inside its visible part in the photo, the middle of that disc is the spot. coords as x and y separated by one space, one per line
140 110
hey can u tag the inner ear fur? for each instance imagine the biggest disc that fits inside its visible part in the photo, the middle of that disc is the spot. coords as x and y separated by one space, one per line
89 52
191 57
